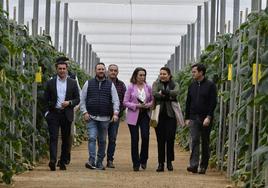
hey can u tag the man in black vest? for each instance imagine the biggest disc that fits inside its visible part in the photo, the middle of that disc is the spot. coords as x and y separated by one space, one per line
99 102
200 105
60 97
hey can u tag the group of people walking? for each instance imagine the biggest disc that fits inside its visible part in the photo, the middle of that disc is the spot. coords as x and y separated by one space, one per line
103 100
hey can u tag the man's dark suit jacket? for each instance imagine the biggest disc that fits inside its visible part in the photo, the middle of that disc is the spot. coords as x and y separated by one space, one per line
72 94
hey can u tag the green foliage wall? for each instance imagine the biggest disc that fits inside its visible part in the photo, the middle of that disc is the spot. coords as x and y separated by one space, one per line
241 50
20 56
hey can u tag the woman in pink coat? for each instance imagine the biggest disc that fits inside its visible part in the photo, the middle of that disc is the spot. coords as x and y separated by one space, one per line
138 100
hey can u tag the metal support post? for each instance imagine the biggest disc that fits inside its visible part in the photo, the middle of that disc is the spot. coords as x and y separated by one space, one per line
83 52
192 41
178 58
86 58
75 39
182 53
21 12
236 15
70 51
89 58
57 25
65 23
206 27
35 17
34 88
212 21
188 42
79 49
185 50
255 4
198 28
47 22
222 16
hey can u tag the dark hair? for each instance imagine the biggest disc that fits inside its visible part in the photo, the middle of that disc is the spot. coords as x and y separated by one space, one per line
133 78
99 64
200 67
168 71
62 60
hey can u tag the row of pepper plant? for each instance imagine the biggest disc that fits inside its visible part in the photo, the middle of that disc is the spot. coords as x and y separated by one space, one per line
235 146
21 55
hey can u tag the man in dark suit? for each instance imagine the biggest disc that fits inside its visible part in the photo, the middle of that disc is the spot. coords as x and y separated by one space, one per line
61 96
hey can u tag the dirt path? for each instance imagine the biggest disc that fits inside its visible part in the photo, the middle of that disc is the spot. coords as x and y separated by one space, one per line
78 176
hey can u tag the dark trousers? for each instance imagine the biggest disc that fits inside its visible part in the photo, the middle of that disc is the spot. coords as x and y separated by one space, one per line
197 131
165 133
143 125
56 120
112 134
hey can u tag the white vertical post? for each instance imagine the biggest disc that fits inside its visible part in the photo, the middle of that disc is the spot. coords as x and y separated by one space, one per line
79 49
198 28
70 44
65 23
57 25
75 39
206 26
47 21
236 15
212 21
222 16
21 11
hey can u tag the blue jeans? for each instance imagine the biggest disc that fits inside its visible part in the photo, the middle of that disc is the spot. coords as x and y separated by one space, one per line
112 134
97 130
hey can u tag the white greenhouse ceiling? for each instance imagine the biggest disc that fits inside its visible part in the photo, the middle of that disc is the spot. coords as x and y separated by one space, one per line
134 33
129 33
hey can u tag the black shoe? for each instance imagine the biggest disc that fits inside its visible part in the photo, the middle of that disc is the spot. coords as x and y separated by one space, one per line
136 168
52 166
160 167
169 166
192 169
90 165
100 166
62 166
144 166
202 171
64 162
110 164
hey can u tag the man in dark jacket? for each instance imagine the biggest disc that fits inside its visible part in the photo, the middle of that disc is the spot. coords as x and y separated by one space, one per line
113 126
200 104
61 96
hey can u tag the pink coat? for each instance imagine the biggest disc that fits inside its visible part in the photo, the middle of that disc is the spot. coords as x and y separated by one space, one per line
131 102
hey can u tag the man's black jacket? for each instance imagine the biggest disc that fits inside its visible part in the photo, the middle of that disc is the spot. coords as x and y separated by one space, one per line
201 99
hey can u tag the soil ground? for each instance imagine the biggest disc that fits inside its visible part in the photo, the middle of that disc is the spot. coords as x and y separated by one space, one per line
77 176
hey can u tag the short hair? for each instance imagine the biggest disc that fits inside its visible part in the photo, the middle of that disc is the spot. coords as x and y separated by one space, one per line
168 71
113 65
133 78
99 64
200 67
62 60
